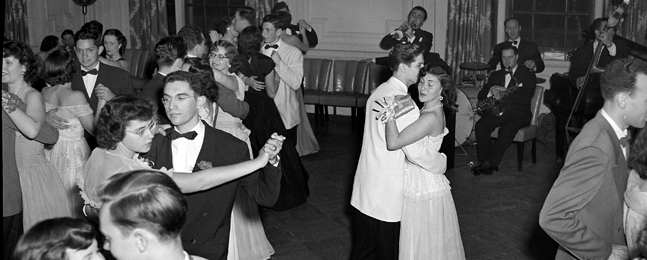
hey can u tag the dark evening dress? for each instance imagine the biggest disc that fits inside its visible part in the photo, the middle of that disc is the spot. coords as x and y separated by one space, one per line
263 120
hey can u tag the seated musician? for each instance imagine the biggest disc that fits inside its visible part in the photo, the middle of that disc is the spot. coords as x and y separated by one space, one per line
512 89
529 55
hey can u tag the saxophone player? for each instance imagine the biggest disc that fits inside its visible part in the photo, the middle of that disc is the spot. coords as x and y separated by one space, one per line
515 105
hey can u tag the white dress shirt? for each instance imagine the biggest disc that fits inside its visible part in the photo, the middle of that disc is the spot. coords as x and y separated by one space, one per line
612 49
89 80
378 189
619 133
185 152
290 73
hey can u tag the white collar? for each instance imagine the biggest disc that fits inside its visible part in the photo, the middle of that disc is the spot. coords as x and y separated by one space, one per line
619 133
518 40
186 256
95 67
198 128
399 84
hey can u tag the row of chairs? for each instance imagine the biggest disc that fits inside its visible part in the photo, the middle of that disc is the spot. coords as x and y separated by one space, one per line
353 82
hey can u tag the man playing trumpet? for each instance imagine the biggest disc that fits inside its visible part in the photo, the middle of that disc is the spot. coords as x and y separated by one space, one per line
511 113
410 32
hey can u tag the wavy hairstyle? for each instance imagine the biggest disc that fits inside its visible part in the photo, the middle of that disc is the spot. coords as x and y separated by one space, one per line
49 239
145 199
404 53
48 43
117 114
58 68
620 76
638 156
121 39
250 40
230 52
448 91
25 56
201 68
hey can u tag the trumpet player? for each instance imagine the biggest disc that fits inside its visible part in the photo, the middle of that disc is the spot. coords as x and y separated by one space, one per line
510 91
410 32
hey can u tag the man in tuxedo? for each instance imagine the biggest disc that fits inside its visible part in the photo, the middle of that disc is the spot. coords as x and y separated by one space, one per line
95 79
529 55
517 113
295 29
288 62
378 188
243 18
584 209
11 193
410 32
191 145
194 41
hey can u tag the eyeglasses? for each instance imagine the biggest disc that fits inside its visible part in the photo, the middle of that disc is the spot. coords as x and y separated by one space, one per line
166 100
213 55
142 131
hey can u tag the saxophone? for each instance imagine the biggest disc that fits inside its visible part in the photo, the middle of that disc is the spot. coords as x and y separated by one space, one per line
495 104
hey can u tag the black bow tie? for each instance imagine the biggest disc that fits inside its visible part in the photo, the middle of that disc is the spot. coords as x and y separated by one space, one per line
624 142
188 135
275 46
92 71
513 42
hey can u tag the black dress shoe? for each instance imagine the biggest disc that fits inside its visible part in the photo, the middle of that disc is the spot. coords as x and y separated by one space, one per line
494 168
476 170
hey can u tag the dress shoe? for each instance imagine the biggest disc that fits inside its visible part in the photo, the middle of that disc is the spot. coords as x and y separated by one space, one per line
476 170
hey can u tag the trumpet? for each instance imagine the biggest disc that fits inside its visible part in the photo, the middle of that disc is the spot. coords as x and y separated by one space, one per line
399 32
495 104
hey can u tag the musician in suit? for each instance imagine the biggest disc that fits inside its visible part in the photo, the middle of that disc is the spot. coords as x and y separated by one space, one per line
584 209
95 79
529 55
411 31
197 146
517 110
295 29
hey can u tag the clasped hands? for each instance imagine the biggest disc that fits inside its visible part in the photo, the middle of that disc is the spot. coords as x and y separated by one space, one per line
272 147
101 91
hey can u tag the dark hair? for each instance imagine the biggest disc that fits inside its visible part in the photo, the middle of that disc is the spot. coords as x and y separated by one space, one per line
230 52
620 76
50 238
192 79
169 49
66 32
201 68
247 13
93 25
121 39
226 21
25 56
58 68
511 19
276 21
421 9
286 18
48 43
117 114
403 53
597 23
88 34
192 35
448 91
145 199
280 6
509 46
638 156
250 40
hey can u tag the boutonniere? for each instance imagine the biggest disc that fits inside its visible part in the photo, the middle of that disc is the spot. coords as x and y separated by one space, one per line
145 161
520 85
203 165
420 39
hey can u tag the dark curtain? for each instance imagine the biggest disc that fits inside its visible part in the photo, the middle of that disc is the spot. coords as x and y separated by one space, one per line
262 7
148 23
15 16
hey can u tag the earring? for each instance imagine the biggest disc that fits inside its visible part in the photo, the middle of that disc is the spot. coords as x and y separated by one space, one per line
440 98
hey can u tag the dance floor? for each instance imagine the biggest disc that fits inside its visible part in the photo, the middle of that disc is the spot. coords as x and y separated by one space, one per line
498 214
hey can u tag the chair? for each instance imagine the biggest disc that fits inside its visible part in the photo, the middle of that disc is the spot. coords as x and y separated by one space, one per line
142 65
528 133
376 75
316 74
348 82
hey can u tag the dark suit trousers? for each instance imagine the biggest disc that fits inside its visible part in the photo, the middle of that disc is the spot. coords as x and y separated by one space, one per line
509 123
11 231
374 239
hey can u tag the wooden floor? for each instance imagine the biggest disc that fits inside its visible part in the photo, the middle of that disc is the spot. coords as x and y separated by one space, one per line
498 214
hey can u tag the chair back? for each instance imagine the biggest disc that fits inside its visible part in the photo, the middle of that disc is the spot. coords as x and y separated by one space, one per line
142 63
316 73
535 104
348 75
377 74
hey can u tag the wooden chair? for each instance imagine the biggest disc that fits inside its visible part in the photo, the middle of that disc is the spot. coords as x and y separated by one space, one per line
316 74
528 133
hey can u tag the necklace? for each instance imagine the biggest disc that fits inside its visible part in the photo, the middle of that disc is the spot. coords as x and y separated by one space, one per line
429 109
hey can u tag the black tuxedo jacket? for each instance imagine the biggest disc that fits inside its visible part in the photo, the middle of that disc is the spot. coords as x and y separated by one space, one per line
313 40
206 232
582 58
421 37
154 91
519 100
527 51
116 79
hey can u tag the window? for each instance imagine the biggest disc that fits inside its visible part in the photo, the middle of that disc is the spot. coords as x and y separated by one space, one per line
553 24
204 13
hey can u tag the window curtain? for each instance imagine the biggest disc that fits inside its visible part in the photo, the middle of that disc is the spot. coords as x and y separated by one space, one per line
635 22
262 7
148 23
469 34
15 16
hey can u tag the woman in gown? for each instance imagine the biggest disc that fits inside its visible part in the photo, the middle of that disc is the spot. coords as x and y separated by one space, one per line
429 225
114 44
636 194
125 129
264 118
71 150
43 193
247 239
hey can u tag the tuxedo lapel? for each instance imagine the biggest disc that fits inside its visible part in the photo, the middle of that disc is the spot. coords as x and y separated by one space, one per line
620 169
207 149
77 83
